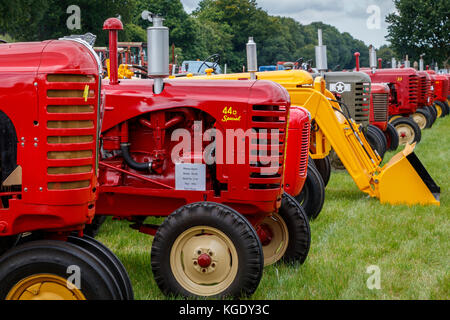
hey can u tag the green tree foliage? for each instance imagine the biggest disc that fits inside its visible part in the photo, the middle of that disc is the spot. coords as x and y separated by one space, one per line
386 53
421 26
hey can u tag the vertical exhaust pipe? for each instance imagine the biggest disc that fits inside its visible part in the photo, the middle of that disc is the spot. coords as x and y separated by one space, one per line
393 63
113 25
157 50
407 62
321 54
373 58
252 58
357 54
421 63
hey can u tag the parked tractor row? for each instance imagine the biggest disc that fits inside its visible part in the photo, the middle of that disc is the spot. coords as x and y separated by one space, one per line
224 159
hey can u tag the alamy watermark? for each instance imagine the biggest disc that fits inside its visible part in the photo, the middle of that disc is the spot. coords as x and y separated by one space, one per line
374 280
74 20
374 20
74 279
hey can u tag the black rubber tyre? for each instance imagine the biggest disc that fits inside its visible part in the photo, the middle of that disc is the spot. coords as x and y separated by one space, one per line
423 118
444 107
412 134
299 230
214 218
433 112
324 168
312 196
7 243
93 229
335 161
110 260
51 257
391 137
377 143
447 107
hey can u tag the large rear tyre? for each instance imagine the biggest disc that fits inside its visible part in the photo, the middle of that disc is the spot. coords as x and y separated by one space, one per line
408 131
110 260
207 249
392 138
286 235
423 118
377 143
54 270
312 196
324 168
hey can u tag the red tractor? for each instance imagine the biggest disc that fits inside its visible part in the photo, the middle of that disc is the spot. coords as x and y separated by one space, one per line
403 100
50 111
440 83
165 153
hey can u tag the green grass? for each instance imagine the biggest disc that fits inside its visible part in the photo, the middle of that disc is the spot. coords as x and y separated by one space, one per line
411 245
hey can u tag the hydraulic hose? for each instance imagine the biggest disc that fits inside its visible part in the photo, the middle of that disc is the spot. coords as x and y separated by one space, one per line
131 162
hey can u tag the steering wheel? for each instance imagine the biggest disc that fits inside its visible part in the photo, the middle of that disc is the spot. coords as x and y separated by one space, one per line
215 59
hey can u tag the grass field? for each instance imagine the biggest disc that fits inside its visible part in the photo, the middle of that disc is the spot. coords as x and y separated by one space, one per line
410 245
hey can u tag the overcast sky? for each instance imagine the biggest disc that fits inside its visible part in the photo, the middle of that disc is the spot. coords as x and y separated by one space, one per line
350 16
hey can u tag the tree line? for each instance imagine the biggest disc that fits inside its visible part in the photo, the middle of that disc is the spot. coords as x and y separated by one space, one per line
216 26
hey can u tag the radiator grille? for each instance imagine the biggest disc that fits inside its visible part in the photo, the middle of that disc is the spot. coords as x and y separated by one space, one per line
362 103
267 146
380 105
305 149
413 89
70 123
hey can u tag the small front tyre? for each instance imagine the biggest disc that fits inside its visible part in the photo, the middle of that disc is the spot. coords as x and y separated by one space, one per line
207 250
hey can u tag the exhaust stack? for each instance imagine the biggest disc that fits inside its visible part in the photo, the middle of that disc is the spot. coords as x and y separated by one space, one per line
421 64
113 25
373 58
357 54
252 58
407 62
321 55
157 50
393 63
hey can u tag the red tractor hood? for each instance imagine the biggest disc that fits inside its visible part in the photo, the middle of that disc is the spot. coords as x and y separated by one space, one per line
131 98
46 57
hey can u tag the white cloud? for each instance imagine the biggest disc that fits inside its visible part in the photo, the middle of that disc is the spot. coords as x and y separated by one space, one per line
346 15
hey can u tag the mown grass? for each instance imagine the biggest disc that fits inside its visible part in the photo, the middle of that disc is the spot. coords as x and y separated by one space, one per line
410 245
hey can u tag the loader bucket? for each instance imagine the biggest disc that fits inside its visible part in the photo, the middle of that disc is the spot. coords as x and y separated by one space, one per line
404 180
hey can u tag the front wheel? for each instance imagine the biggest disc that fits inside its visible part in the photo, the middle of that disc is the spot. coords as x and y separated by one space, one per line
324 168
207 249
408 131
423 118
377 140
391 137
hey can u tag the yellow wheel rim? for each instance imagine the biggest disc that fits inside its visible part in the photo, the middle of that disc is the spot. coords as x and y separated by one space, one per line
44 287
438 110
275 249
405 133
420 119
393 118
204 261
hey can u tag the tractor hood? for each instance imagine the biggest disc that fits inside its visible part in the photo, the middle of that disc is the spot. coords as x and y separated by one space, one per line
46 57
131 98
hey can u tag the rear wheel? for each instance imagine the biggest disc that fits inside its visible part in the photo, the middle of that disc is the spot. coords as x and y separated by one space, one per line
110 260
312 195
423 118
391 137
207 249
375 140
408 131
54 270
324 168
